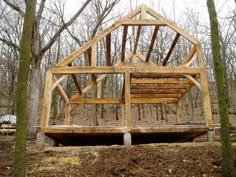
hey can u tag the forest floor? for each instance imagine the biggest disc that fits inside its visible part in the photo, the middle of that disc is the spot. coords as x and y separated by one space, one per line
200 159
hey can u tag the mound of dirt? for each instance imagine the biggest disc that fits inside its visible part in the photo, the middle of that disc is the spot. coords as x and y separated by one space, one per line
152 160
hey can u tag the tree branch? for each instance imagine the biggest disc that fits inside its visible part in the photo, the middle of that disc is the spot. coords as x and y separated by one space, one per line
63 27
15 7
10 44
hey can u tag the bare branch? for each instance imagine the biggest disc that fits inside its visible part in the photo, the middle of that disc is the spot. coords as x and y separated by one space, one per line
15 7
63 27
10 44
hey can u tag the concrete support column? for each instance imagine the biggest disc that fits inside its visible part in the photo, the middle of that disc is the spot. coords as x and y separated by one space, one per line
127 139
40 140
210 135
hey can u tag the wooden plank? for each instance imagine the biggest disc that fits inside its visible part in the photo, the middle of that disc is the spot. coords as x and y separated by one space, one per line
46 101
127 100
61 91
189 56
94 55
205 89
164 86
153 100
122 69
160 81
55 84
124 43
91 54
160 91
108 49
67 114
172 25
194 58
141 57
96 101
152 43
148 95
194 81
171 49
137 39
143 13
76 83
153 75
143 22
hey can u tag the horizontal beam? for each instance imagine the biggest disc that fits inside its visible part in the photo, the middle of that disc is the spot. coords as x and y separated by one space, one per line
155 95
96 101
165 86
160 81
161 91
123 69
153 100
143 22
154 75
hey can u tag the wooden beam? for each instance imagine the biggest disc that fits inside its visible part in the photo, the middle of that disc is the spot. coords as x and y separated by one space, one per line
76 83
189 56
46 101
141 57
125 32
127 100
91 58
153 75
205 89
55 84
160 81
177 112
149 95
160 91
194 81
95 101
137 39
108 49
143 13
122 69
61 91
143 22
152 43
67 114
172 25
191 60
164 86
171 49
153 100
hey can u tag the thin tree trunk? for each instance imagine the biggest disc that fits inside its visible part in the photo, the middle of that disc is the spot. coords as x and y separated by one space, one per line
21 92
228 170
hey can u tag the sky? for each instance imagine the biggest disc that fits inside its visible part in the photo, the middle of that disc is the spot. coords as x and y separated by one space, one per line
168 6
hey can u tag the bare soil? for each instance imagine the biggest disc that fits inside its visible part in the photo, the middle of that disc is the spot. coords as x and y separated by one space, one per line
150 160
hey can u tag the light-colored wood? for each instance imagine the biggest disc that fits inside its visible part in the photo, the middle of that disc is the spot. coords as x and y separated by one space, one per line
127 101
164 86
46 101
153 100
190 55
194 58
194 81
123 69
61 91
122 114
160 81
141 57
57 81
143 22
143 13
94 55
160 95
123 49
171 49
152 43
155 91
67 114
177 112
96 101
205 89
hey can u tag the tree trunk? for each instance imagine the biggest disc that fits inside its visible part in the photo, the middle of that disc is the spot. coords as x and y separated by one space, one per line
21 91
221 91
34 92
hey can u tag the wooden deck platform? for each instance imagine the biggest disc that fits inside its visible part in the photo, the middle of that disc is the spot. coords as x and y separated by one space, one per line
76 135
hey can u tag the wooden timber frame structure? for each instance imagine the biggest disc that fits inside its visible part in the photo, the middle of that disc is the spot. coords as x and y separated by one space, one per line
142 83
